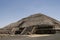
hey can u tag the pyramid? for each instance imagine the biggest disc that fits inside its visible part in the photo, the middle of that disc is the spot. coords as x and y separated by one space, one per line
33 24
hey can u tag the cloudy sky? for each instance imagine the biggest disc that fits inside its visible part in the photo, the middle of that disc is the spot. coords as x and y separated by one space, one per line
14 10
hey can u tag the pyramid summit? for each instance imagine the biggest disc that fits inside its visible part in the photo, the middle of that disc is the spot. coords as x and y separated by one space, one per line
33 24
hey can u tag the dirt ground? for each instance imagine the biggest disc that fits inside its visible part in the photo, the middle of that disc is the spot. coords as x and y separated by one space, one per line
31 37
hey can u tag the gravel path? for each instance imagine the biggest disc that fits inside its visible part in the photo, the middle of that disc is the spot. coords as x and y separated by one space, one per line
51 37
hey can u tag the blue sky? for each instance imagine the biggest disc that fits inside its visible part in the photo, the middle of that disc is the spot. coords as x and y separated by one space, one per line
14 10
